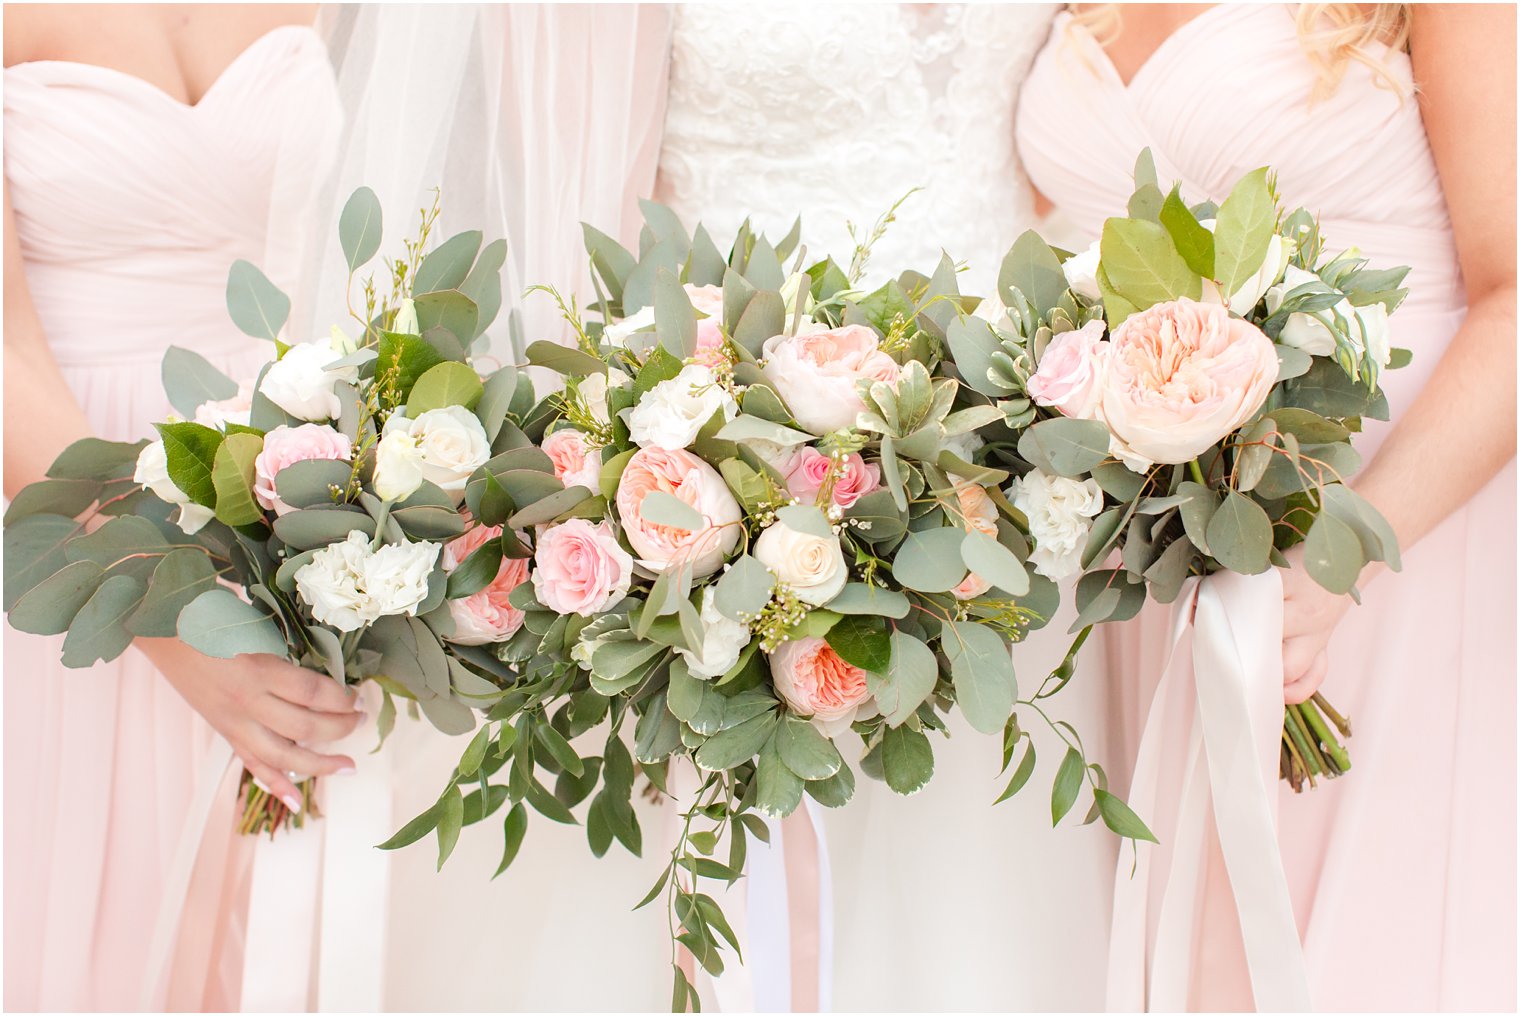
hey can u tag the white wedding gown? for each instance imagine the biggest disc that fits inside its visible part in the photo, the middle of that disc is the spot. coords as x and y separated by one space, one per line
834 112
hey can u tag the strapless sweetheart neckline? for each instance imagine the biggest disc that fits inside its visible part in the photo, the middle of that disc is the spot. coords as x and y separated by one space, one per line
230 73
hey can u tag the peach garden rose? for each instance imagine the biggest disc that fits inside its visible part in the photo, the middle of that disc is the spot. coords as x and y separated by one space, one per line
1180 376
816 682
979 516
484 616
574 463
687 477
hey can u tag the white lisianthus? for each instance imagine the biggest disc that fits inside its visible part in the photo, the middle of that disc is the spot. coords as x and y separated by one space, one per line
671 414
1372 323
812 566
153 473
619 333
348 585
301 382
723 639
405 322
443 446
593 390
1060 511
1249 292
1082 272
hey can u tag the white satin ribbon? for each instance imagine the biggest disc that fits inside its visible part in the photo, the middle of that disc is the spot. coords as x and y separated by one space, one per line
757 910
317 905
1210 747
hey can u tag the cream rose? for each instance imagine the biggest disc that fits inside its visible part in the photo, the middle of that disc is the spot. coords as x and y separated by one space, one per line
619 334
1060 511
816 373
723 639
816 682
811 566
285 446
443 446
1070 375
1081 272
580 568
153 473
1180 376
688 478
671 414
593 390
575 465
301 382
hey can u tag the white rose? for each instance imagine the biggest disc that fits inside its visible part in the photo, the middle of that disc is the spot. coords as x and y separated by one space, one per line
1366 328
396 576
670 415
1279 251
593 389
1060 512
348 585
301 382
1082 272
812 566
619 333
153 473
217 414
443 446
723 639
1375 339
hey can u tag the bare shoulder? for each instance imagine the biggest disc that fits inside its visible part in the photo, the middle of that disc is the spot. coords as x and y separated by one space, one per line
92 33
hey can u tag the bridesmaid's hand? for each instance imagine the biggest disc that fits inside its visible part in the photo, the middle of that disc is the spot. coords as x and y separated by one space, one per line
265 707
1310 614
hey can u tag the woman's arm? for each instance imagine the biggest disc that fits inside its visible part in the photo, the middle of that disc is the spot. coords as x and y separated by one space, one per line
1460 430
262 705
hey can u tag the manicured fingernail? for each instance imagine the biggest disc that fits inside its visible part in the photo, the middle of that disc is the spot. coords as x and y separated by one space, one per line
293 803
260 784
346 771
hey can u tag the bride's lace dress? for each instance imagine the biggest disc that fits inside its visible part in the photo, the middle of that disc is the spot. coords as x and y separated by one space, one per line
835 112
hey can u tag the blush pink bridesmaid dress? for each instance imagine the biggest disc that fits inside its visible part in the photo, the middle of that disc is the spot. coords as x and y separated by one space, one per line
1402 874
131 206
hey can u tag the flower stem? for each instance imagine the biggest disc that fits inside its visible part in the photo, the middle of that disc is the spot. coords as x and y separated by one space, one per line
1333 749
1194 469
1342 723
1300 735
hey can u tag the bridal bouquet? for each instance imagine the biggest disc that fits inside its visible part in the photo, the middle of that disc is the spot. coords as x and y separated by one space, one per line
1196 377
315 512
776 533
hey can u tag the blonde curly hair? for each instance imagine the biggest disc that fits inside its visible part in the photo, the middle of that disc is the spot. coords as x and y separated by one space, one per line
1331 35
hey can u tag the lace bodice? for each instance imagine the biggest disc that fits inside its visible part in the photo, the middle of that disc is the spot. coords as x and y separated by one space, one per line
835 111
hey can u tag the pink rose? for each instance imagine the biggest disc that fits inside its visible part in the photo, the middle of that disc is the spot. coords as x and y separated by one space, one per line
815 373
854 477
816 682
1181 376
1070 377
574 464
285 446
685 476
580 568
484 616
708 300
980 516
217 414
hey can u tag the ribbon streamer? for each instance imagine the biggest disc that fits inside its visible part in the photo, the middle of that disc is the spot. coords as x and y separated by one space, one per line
1210 748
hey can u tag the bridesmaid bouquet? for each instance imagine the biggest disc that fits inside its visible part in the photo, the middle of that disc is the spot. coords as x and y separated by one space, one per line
314 513
1194 379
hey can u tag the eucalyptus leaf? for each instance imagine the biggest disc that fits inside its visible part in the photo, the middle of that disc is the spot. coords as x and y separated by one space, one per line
218 623
49 607
1240 535
929 561
907 760
359 227
981 666
190 380
98 631
255 304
